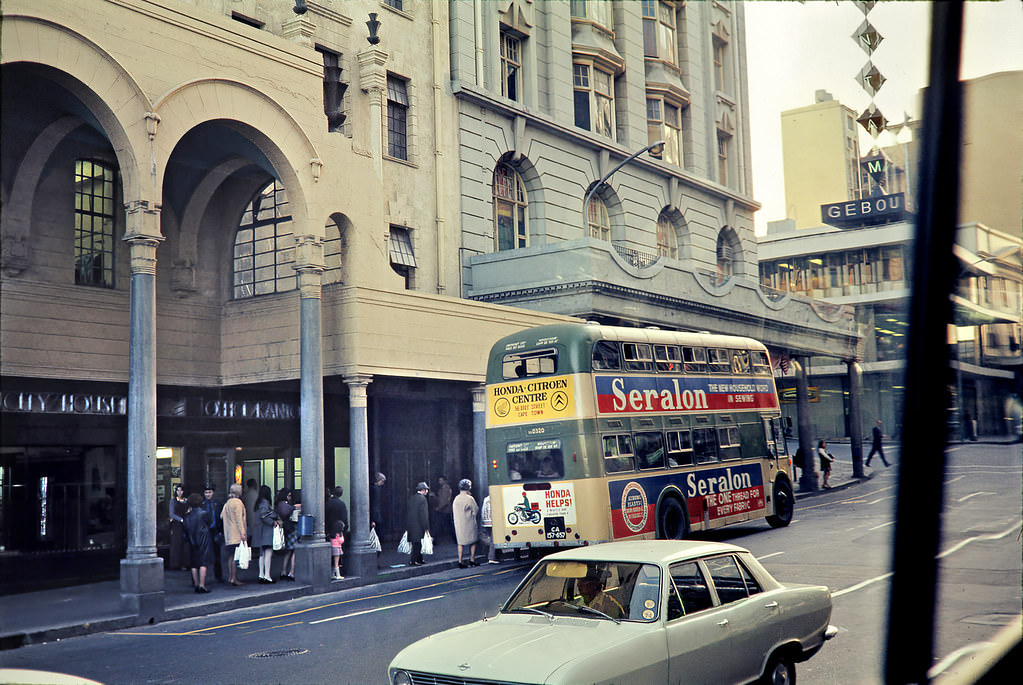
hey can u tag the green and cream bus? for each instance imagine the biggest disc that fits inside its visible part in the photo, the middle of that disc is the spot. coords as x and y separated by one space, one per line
598 433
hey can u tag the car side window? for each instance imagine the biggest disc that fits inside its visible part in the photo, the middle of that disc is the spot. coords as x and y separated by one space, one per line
752 586
689 591
728 579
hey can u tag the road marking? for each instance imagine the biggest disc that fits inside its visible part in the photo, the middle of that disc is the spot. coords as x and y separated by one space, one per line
883 525
860 586
768 556
880 499
973 494
373 611
954 479
991 536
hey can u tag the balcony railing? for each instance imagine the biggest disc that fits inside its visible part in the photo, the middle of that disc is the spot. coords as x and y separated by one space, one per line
635 257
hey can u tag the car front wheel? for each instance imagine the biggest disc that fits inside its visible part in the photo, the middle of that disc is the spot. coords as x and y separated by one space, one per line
780 671
784 505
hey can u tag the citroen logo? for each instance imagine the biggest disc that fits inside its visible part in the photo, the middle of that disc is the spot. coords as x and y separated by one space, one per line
463 666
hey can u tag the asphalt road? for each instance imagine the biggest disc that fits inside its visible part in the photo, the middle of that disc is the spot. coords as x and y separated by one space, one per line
841 539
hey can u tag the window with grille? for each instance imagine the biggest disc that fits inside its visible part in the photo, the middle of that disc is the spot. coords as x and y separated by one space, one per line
511 65
264 246
510 230
397 117
598 220
94 186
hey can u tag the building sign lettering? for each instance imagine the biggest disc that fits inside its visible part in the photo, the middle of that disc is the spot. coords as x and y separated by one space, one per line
117 405
869 210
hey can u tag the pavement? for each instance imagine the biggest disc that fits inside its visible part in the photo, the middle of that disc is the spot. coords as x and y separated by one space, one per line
47 615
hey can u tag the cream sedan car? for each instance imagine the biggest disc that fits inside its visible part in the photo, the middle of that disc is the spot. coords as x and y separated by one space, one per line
648 611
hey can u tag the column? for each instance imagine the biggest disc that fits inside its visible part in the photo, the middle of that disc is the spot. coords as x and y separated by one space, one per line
855 373
141 571
479 441
373 81
312 555
809 478
361 557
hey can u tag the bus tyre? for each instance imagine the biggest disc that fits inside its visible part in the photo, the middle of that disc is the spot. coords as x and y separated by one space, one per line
784 504
672 522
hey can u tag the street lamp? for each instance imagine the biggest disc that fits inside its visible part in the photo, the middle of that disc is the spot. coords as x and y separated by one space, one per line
599 184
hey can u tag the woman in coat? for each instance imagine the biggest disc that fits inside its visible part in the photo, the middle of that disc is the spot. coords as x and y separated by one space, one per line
464 511
265 520
235 529
284 509
197 529
177 508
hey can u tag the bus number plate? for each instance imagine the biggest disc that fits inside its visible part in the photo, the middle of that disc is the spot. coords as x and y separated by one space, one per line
554 528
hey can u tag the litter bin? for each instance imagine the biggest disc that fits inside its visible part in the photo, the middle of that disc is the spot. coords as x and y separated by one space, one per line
305 525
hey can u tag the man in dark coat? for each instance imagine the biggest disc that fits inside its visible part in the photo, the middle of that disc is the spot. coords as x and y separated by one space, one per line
212 508
197 531
876 446
418 522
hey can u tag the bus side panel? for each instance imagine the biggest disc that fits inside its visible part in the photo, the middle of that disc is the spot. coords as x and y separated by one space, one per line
714 497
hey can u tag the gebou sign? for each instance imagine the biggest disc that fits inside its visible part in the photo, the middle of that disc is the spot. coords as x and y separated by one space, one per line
869 210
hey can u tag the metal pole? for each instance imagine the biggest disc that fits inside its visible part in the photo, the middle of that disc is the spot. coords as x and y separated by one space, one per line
911 611
598 184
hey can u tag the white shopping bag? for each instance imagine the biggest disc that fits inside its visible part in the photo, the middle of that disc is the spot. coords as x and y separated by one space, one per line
242 555
427 544
404 547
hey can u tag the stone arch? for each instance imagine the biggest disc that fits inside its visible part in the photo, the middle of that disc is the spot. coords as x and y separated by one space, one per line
251 113
339 222
681 228
92 75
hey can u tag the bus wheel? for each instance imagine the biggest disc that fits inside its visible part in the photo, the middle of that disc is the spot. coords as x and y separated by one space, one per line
672 522
784 505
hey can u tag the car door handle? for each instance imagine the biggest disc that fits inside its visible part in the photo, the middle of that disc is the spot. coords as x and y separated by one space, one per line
723 622
771 605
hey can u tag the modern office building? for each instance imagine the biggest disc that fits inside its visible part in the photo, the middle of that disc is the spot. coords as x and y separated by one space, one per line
277 240
859 254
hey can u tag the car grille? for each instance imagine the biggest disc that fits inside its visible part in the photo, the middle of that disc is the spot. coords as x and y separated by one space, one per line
435 679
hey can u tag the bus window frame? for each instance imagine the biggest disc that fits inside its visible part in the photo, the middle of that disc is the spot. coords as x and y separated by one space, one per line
723 364
733 449
618 456
635 362
705 456
697 361
741 363
761 363
668 364
514 358
679 461
647 437
602 352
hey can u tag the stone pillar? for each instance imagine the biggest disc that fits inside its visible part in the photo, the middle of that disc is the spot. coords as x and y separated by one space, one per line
312 555
373 81
361 558
142 569
809 478
481 467
855 373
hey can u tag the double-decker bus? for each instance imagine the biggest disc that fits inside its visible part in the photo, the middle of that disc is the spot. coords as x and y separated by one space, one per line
598 433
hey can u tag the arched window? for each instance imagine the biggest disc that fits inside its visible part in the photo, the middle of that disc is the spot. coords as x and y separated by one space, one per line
509 209
332 249
264 247
667 238
728 253
598 220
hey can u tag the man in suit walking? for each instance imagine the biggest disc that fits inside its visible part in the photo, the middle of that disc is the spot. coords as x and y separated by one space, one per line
876 445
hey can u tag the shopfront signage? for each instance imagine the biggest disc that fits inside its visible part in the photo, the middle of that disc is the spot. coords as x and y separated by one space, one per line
117 405
869 210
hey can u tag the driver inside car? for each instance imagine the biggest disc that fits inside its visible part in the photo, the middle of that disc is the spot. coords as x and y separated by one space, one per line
591 594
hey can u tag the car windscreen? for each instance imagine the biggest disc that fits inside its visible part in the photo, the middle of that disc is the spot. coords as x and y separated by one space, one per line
600 590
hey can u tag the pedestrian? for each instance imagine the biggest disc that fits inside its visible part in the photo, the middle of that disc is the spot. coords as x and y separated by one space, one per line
488 530
284 509
443 507
177 507
263 533
337 524
876 445
827 458
464 512
197 529
376 498
418 522
250 497
233 518
212 508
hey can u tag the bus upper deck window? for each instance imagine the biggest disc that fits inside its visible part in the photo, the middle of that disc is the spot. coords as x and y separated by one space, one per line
524 365
719 361
668 358
705 446
606 356
694 359
638 357
761 365
741 362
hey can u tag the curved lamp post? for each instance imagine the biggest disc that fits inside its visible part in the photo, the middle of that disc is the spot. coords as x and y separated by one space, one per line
599 184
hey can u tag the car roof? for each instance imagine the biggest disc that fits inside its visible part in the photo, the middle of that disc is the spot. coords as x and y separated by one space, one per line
647 551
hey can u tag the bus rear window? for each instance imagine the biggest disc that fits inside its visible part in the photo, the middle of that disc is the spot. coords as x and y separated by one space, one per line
526 364
532 461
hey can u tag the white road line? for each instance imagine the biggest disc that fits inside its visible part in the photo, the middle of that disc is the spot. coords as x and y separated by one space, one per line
370 611
768 556
954 479
973 494
991 536
883 525
860 586
882 499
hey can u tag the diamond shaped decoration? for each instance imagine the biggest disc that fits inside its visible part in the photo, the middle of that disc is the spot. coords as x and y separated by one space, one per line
865 5
867 37
871 78
872 121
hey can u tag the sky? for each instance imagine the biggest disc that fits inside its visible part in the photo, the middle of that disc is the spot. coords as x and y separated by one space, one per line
796 48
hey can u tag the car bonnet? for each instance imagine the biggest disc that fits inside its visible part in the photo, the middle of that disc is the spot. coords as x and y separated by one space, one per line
514 648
